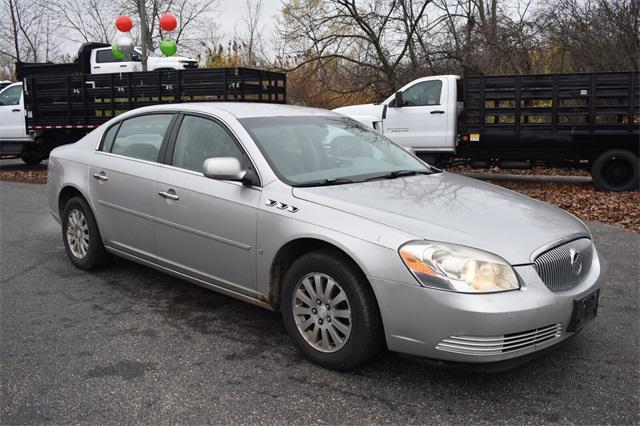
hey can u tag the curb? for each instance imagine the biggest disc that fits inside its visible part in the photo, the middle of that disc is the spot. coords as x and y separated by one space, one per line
579 180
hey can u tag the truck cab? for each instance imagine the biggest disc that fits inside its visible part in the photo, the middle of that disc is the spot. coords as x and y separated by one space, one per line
103 62
422 115
12 125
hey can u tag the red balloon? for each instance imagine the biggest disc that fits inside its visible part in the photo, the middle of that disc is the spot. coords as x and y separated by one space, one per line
168 22
124 23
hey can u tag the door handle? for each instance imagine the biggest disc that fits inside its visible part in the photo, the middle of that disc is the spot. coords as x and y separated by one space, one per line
15 110
96 67
169 195
437 112
123 66
101 176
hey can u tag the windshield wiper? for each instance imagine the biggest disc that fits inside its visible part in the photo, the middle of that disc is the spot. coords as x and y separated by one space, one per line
326 182
399 173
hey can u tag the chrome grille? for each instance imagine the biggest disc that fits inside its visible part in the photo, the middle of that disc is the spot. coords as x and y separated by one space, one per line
470 345
555 266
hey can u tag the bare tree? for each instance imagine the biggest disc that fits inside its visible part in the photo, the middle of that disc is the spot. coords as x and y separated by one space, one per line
28 33
371 38
594 35
250 35
86 20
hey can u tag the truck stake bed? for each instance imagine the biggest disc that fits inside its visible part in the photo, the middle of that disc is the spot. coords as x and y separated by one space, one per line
550 116
85 101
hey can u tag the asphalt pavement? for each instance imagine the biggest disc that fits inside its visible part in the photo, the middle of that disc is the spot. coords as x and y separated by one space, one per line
131 345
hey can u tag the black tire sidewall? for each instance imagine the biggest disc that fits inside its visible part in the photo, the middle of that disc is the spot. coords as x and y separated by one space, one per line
96 253
31 157
598 165
365 338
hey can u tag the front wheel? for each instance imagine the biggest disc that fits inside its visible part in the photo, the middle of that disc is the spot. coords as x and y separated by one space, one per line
615 170
81 236
330 311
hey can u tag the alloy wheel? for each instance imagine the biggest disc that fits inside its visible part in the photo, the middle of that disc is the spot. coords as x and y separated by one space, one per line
322 312
77 234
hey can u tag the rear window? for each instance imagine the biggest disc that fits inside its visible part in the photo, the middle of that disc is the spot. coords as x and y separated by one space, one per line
105 56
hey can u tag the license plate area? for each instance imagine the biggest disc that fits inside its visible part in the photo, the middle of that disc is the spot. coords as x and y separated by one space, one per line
584 310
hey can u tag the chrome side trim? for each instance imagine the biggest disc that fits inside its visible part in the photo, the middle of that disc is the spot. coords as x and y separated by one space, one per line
211 286
203 234
126 210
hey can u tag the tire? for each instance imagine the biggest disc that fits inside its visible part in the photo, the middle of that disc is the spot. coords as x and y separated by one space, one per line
77 220
353 327
615 170
32 157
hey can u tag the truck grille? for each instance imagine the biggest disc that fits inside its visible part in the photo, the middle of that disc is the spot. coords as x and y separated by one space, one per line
564 266
470 345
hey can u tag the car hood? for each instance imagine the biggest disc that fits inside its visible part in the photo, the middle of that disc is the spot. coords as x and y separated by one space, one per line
452 208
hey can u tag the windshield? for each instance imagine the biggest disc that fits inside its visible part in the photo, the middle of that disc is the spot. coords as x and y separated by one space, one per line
309 150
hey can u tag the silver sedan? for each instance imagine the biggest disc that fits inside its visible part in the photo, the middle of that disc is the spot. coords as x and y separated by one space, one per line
360 245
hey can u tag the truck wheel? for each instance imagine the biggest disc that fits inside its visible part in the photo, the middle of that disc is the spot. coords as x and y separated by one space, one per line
615 170
32 157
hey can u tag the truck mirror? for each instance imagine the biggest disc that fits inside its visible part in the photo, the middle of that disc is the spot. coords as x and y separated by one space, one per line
398 102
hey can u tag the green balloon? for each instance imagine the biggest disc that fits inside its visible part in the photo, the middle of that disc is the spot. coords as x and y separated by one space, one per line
168 47
116 53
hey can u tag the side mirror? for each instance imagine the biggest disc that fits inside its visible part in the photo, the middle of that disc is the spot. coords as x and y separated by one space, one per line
135 57
228 168
398 101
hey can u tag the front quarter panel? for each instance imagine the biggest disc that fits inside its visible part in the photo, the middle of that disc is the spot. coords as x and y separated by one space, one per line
372 246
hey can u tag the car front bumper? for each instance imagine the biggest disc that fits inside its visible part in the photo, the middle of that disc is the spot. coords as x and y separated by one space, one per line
480 328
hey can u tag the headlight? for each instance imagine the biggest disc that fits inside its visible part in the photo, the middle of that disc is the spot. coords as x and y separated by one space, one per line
458 268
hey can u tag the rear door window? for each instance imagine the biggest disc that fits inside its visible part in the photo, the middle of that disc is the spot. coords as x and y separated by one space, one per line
140 137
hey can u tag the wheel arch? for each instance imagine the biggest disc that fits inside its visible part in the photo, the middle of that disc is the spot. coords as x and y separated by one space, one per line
67 192
296 248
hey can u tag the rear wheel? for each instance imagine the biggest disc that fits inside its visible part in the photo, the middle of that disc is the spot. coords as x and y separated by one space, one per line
330 311
615 170
81 236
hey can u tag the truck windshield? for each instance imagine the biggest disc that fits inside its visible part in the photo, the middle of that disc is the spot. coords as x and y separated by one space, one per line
316 150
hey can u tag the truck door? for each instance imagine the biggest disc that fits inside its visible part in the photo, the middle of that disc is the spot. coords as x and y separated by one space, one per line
103 62
12 126
420 123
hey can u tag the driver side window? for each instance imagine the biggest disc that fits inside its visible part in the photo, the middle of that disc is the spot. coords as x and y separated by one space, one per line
423 94
200 138
11 96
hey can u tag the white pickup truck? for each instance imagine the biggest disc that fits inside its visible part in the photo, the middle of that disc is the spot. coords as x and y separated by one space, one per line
425 121
93 58
583 120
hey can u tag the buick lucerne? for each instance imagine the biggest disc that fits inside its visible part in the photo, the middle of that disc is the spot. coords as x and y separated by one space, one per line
358 244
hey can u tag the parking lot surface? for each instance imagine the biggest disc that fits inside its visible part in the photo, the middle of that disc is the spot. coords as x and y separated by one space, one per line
129 344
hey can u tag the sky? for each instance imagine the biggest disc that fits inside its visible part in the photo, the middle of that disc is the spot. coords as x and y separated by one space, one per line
232 11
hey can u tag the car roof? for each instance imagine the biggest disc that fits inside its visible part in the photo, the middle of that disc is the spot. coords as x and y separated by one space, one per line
244 109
